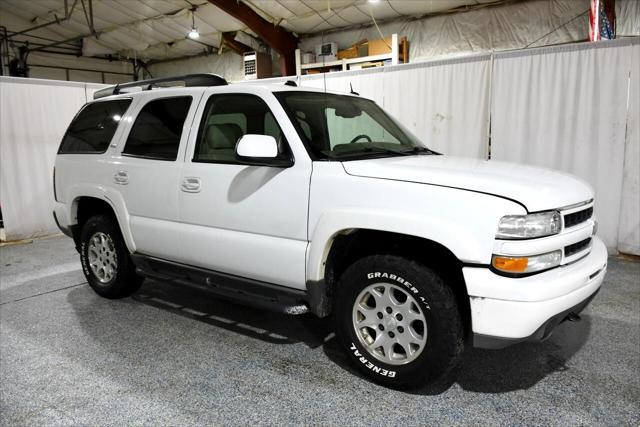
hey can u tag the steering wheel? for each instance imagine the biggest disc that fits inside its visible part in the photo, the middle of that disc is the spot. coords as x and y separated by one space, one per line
367 137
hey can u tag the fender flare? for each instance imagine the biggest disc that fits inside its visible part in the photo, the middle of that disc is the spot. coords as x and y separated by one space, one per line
466 246
112 198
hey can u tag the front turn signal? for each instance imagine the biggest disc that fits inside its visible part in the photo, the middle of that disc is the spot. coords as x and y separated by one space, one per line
526 265
511 265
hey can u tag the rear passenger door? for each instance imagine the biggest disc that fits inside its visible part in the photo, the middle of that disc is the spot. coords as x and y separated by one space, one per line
147 171
249 221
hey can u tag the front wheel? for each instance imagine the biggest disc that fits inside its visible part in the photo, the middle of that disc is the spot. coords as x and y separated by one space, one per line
105 259
398 321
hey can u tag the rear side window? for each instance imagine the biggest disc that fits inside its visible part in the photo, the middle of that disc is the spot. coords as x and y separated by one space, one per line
93 127
157 130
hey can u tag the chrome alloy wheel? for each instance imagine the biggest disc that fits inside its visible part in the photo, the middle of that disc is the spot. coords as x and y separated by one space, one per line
102 257
389 323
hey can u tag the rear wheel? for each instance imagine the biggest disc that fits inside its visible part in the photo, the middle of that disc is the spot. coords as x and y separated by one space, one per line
398 321
105 259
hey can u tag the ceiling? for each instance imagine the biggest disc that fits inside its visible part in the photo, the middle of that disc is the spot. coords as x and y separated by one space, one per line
156 29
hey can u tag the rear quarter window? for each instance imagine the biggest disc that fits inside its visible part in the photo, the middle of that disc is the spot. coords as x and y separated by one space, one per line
93 127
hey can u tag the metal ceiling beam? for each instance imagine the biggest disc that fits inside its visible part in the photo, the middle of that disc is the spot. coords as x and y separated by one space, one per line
275 36
229 40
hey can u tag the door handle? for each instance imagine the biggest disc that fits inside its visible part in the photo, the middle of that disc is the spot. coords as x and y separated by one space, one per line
121 177
191 184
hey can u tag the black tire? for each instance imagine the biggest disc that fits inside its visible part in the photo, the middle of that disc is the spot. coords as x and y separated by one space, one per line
442 350
124 281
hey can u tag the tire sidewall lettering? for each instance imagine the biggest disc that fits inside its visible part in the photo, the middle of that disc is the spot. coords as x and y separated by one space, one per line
369 365
83 259
395 278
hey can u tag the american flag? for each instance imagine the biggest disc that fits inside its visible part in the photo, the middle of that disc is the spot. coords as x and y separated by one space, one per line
602 18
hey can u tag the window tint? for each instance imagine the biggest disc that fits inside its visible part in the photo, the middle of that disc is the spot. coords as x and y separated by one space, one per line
226 119
93 127
157 129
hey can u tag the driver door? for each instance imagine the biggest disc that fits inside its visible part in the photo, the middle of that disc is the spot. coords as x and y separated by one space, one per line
249 221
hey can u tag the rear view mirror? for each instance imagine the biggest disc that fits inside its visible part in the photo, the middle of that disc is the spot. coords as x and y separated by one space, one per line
347 111
260 150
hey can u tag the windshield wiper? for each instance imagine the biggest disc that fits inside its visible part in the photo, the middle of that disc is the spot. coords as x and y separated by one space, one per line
364 151
413 150
377 149
425 150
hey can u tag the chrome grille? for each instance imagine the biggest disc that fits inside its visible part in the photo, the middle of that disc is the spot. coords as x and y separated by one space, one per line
576 218
576 247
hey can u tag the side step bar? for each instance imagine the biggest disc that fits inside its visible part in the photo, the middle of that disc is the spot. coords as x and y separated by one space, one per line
239 289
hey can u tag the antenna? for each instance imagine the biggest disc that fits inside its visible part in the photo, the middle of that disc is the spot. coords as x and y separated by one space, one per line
324 71
352 92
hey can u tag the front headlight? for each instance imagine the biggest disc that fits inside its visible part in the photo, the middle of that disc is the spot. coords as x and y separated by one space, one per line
526 265
529 226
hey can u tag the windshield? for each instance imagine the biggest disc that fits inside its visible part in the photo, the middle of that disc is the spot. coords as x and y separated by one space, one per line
346 127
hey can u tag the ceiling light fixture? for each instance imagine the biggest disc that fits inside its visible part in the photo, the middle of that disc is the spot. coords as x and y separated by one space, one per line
193 34
374 1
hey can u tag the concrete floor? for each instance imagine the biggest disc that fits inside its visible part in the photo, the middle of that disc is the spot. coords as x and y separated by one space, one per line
172 356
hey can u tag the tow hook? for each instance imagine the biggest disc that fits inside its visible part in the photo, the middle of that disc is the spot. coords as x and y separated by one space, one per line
573 317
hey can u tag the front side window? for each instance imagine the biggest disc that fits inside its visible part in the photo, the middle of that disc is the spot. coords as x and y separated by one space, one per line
346 127
226 119
157 130
91 130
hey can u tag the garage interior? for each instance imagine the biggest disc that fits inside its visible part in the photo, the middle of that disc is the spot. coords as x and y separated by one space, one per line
524 81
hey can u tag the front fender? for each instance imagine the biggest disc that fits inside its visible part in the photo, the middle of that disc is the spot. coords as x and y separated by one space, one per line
468 233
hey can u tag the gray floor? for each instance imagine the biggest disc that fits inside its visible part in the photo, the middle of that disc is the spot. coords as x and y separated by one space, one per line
171 356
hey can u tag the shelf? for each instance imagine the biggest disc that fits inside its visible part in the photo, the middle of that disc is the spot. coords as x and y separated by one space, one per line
344 63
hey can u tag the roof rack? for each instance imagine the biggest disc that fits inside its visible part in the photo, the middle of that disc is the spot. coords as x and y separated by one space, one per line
189 80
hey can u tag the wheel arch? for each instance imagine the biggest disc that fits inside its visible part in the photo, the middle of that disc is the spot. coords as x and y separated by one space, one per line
85 206
349 245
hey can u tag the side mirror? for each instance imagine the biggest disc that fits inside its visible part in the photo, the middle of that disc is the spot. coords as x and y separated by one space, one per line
260 150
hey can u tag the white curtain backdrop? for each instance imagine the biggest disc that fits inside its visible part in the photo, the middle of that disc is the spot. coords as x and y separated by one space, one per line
566 108
34 114
573 108
444 103
629 230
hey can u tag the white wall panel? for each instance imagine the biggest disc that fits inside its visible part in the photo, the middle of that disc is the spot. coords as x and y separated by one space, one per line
85 76
36 72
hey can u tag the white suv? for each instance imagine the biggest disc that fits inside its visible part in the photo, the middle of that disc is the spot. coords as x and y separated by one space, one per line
302 200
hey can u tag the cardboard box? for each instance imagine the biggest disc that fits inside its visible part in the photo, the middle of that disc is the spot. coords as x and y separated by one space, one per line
357 50
350 52
380 46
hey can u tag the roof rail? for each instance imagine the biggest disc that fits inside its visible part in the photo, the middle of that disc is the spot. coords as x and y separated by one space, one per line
189 80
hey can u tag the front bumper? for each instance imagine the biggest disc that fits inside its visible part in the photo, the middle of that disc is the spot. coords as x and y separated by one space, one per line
509 310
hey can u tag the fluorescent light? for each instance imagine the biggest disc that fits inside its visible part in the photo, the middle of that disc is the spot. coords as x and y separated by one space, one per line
193 34
374 1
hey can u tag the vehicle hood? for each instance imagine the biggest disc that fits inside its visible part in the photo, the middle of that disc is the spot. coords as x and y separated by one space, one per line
536 188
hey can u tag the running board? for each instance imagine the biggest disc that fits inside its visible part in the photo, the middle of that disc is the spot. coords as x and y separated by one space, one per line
239 289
